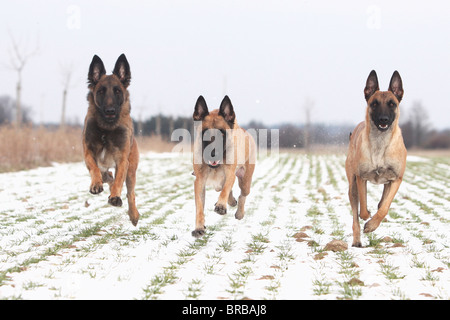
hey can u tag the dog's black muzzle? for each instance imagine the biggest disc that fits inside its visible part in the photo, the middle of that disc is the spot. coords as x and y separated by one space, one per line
383 123
110 114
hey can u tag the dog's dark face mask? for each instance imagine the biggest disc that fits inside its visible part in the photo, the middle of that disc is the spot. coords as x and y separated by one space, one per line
383 112
383 105
109 91
214 147
215 126
109 97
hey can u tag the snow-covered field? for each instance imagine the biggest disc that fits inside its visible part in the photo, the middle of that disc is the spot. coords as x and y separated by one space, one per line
57 241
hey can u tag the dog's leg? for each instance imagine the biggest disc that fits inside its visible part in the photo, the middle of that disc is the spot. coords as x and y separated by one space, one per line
96 176
232 200
354 202
131 182
221 204
362 192
108 178
386 188
199 193
116 188
373 223
244 184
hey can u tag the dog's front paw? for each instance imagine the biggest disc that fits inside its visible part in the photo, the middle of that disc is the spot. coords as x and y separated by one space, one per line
220 209
197 233
115 201
371 225
96 187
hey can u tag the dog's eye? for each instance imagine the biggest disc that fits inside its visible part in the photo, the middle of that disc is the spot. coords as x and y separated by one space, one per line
117 91
101 90
392 104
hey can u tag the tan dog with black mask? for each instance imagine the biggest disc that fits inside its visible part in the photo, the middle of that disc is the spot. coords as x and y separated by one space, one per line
223 151
376 153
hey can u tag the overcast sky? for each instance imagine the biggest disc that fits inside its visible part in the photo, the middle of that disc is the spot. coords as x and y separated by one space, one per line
270 57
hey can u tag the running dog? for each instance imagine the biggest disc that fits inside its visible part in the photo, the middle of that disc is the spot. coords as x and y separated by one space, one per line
108 139
222 152
376 153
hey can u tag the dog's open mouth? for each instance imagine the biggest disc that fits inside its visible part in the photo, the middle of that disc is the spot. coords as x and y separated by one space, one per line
383 127
110 117
213 164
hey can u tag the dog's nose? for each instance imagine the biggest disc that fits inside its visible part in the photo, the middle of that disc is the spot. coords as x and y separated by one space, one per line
110 111
383 119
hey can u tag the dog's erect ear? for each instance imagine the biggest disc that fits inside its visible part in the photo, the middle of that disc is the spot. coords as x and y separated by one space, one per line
201 109
96 71
396 86
371 85
226 110
122 70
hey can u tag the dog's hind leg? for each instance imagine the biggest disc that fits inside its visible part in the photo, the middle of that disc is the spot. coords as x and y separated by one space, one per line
362 192
107 177
386 188
244 184
354 202
232 200
130 181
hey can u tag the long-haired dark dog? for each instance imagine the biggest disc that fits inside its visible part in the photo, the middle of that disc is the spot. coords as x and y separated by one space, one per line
108 139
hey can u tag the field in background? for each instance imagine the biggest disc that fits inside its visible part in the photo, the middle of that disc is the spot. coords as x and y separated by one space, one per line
57 241
29 147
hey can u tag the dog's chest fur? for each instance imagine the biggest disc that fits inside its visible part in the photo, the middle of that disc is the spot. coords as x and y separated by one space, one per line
378 166
216 178
105 159
104 144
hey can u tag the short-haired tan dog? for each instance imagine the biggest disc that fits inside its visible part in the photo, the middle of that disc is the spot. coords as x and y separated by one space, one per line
376 153
222 152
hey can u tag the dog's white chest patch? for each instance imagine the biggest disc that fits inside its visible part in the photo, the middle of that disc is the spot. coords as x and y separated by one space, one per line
381 172
105 161
216 179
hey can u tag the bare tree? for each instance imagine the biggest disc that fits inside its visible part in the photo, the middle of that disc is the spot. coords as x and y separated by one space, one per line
19 56
418 116
6 107
308 106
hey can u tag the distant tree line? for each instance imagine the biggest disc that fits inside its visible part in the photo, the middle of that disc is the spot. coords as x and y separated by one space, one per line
8 108
416 130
